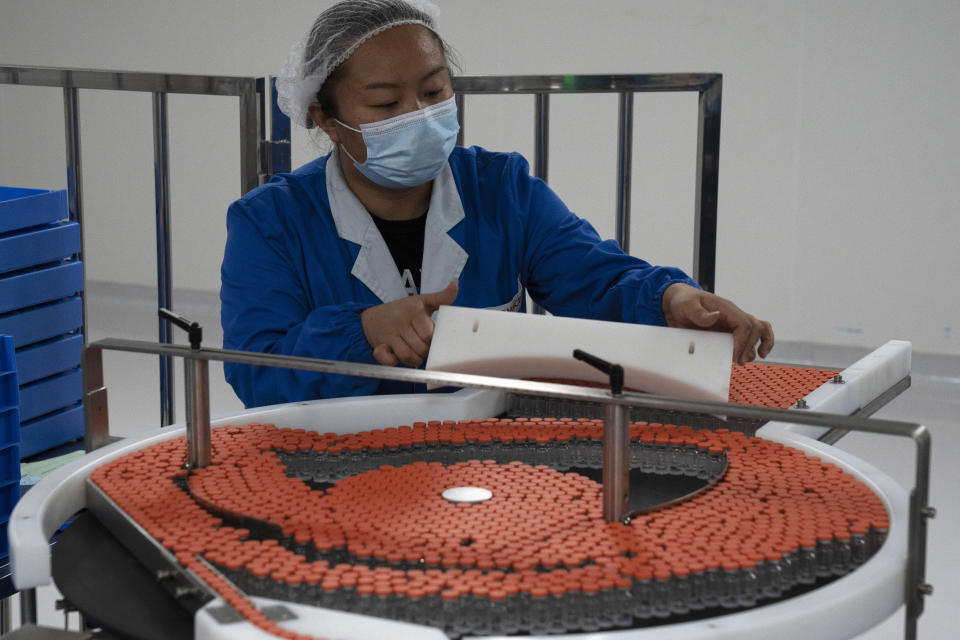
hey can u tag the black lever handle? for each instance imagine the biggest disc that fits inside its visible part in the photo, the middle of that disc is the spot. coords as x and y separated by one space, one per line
615 371
193 329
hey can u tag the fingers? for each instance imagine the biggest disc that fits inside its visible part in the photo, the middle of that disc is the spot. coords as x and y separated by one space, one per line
413 340
766 339
741 342
404 352
691 308
398 352
749 353
407 346
434 301
746 336
423 326
385 356
401 331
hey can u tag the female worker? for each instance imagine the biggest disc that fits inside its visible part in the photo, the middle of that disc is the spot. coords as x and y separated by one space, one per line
347 257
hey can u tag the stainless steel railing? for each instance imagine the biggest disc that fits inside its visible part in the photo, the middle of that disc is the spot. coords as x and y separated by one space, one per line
708 86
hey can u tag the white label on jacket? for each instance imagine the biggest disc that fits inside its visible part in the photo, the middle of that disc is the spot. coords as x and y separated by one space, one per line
513 305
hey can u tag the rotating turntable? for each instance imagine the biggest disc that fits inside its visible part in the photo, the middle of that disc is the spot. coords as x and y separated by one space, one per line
778 534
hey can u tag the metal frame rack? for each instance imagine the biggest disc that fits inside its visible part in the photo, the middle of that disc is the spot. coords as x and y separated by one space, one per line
253 165
260 156
709 88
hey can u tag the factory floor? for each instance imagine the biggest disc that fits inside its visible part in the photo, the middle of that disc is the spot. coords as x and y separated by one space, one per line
933 400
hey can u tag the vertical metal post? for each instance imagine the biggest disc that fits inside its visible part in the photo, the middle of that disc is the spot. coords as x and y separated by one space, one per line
161 179
541 149
920 511
263 145
624 168
708 184
28 606
279 143
71 120
250 119
458 98
616 462
541 136
196 381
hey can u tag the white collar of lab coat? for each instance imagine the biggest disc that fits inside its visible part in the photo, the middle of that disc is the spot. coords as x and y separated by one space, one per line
443 258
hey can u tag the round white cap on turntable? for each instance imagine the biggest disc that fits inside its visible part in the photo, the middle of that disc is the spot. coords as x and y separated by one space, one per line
467 494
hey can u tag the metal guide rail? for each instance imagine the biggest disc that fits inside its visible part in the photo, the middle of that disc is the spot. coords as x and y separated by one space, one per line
198 426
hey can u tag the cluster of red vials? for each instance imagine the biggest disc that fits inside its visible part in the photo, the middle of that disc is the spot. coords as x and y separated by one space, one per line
774 386
541 533
757 384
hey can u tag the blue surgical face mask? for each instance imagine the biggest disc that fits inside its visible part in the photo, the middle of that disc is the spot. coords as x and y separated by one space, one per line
409 149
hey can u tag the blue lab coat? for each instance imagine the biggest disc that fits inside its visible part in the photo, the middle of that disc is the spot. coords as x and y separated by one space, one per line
304 258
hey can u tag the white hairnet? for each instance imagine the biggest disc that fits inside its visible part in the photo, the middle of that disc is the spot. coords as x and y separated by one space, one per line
334 36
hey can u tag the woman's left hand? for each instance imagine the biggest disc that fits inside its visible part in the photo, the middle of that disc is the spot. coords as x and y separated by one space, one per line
687 307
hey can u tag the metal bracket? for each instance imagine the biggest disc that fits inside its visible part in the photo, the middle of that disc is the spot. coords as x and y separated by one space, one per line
96 432
225 614
616 443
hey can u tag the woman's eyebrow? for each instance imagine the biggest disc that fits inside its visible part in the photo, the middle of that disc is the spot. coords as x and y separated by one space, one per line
434 71
394 85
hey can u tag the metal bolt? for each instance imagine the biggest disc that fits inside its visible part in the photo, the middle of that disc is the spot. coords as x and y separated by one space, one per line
181 592
928 512
802 404
925 589
838 379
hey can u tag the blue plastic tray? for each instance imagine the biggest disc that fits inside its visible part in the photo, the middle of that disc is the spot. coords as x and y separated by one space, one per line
43 323
50 394
23 208
38 245
9 426
49 358
9 466
8 361
51 430
4 543
8 390
40 285
9 393
9 494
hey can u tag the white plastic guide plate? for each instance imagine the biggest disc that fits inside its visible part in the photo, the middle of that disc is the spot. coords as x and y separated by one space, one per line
681 363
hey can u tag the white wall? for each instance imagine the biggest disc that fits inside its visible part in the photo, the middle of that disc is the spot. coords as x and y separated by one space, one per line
838 181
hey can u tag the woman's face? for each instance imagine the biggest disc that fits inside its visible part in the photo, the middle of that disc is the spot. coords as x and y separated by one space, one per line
395 72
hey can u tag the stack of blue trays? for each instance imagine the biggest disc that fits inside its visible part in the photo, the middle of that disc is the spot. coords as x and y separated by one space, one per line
40 306
9 438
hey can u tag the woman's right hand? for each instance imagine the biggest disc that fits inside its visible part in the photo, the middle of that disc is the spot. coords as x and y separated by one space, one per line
400 331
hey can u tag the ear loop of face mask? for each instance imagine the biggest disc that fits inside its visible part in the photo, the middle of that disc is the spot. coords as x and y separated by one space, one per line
346 126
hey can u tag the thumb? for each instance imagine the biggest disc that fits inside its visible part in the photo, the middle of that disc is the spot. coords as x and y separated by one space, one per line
440 298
